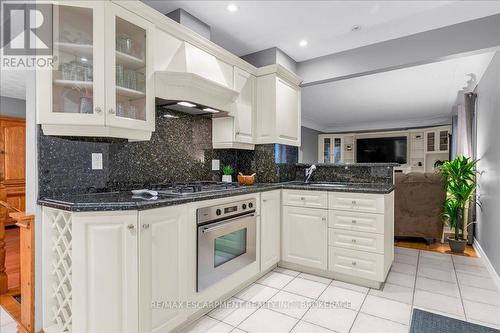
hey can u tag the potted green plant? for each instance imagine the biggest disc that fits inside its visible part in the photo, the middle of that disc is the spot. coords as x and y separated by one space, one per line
460 177
227 174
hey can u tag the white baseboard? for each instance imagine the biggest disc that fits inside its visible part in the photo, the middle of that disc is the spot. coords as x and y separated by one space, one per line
487 261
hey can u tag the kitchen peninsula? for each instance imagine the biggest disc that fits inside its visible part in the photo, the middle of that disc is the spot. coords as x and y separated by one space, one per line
341 230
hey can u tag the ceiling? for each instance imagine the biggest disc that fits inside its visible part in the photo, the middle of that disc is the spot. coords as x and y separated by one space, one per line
410 97
13 83
326 25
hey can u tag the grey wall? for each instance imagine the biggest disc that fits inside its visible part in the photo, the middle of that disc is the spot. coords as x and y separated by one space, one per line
186 19
488 153
309 145
271 56
12 107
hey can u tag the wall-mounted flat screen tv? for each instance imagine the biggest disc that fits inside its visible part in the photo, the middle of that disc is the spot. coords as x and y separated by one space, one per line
381 150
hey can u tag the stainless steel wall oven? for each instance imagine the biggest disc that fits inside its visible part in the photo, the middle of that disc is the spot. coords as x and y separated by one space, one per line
226 240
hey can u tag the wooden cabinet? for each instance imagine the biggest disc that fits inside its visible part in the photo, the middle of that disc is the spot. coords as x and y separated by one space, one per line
305 236
237 131
278 106
13 160
162 268
102 84
270 226
104 276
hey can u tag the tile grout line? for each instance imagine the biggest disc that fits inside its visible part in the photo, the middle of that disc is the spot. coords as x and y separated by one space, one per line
301 318
459 289
359 310
414 288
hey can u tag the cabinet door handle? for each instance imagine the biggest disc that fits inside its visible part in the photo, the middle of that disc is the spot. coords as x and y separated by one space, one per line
131 227
98 110
353 263
112 111
264 200
302 198
353 221
145 226
323 218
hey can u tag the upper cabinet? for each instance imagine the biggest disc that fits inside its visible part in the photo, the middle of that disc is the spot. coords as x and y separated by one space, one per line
437 140
278 106
102 83
237 130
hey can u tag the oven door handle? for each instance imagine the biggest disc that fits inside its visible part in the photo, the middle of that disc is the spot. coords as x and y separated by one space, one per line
223 224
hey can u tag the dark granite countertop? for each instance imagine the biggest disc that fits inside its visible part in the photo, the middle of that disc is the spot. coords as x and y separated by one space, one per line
123 200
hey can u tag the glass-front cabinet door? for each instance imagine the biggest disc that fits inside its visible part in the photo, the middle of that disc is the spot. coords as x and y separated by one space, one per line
73 91
130 99
330 149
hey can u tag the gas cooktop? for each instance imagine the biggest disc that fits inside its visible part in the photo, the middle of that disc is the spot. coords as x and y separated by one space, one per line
192 187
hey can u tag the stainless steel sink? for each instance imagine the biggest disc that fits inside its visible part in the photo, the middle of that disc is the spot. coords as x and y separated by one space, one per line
326 184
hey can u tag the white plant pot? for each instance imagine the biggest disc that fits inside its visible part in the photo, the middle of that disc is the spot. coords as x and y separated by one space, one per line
227 178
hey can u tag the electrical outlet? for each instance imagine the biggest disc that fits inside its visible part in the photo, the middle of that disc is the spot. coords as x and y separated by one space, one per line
215 165
96 161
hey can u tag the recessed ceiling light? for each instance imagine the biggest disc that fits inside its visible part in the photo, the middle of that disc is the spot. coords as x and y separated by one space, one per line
211 110
189 105
83 59
356 28
232 7
303 43
170 116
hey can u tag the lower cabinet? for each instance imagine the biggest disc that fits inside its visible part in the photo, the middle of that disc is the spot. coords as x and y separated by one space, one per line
101 295
162 268
270 226
305 236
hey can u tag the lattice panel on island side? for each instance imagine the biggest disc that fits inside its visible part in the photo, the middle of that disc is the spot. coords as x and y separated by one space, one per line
62 269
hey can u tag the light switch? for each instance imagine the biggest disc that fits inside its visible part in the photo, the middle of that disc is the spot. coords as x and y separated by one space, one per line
96 161
215 165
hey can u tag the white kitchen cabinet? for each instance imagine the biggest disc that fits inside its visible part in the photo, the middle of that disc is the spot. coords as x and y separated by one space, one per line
102 84
270 226
237 130
162 268
104 275
278 106
361 236
305 236
300 198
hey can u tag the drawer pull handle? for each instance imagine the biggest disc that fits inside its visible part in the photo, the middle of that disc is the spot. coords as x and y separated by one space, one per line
323 218
131 227
353 263
353 202
353 221
145 226
353 240
302 198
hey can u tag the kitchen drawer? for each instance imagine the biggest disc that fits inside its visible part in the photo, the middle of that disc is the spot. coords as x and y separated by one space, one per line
357 202
364 222
312 199
355 240
357 263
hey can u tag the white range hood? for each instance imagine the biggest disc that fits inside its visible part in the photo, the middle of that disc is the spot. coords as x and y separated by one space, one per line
196 77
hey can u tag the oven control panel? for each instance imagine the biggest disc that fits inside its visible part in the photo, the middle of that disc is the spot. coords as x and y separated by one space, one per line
224 211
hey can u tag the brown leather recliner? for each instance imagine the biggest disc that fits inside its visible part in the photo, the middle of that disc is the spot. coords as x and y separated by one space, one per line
418 203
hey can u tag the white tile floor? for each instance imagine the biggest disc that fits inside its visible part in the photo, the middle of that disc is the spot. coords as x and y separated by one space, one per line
7 324
290 301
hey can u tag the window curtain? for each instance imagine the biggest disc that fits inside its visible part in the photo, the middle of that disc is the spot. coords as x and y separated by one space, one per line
464 125
466 145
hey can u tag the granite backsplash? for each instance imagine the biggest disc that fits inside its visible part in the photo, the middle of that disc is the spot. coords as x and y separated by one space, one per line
350 173
180 150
